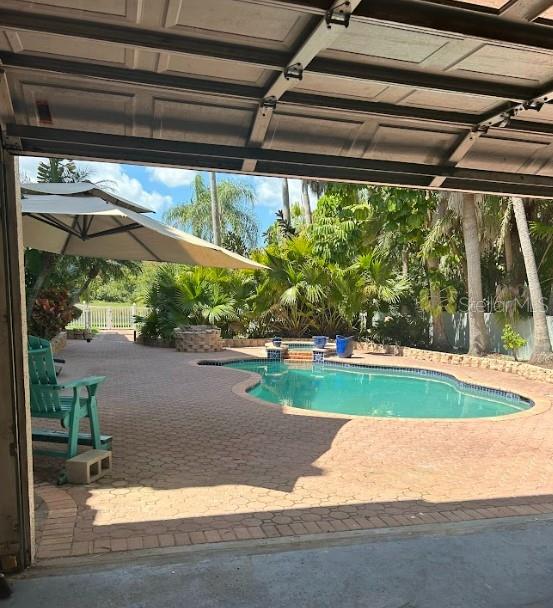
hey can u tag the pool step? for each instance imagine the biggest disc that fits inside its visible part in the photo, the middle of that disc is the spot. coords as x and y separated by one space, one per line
300 355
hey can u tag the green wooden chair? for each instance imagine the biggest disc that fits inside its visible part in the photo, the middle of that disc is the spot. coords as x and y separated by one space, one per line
36 342
47 401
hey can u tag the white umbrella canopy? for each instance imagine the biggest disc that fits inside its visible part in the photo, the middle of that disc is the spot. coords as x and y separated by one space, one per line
81 222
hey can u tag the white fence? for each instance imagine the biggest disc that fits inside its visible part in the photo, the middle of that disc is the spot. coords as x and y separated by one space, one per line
457 330
108 317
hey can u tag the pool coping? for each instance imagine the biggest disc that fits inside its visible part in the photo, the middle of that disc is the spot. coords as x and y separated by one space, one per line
540 404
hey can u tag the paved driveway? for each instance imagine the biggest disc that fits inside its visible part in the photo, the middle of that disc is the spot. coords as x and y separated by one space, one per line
195 462
491 568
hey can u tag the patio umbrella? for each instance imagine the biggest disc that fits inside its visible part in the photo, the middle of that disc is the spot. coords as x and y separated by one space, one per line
80 221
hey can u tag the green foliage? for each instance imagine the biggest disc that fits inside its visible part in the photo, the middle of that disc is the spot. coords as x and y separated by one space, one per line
236 208
51 313
303 294
448 297
393 256
403 328
512 340
57 170
283 229
190 296
343 225
130 285
234 242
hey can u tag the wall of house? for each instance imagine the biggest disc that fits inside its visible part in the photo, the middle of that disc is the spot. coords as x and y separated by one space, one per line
16 499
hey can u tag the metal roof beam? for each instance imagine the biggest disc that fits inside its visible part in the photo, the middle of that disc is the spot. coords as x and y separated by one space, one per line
471 21
47 140
264 58
525 10
141 38
127 75
501 119
281 169
326 32
455 20
231 90
417 79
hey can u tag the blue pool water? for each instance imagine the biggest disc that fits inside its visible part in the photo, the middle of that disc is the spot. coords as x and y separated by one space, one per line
377 391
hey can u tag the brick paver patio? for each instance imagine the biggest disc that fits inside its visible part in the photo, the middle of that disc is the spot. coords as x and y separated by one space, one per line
196 462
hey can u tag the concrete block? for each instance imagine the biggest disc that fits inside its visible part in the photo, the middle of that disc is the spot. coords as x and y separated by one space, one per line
88 466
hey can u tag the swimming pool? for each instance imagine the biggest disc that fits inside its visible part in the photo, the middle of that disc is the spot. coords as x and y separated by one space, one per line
377 391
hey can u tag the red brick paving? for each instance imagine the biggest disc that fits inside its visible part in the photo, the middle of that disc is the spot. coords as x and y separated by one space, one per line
195 462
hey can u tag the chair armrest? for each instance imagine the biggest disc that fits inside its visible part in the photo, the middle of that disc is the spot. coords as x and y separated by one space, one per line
88 381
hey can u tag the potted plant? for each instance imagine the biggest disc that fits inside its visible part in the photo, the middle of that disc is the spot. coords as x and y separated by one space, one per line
277 341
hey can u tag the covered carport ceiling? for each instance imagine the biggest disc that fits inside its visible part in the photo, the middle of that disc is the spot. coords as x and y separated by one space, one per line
451 94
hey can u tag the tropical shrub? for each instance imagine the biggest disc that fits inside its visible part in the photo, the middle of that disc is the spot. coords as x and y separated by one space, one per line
401 328
52 312
303 294
512 340
188 296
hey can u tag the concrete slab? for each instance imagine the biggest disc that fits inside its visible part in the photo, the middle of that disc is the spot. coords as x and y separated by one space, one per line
507 567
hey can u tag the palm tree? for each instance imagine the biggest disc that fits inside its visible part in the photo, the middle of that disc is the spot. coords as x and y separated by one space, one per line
462 208
479 342
439 336
58 170
215 213
235 206
285 200
306 204
542 343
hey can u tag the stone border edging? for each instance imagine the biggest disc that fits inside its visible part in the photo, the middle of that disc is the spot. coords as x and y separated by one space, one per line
518 368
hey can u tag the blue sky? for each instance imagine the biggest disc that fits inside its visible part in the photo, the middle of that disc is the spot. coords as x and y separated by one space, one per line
161 187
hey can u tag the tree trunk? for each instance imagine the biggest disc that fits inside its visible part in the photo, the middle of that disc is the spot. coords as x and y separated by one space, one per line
508 246
439 336
48 263
285 200
93 272
479 342
404 262
542 343
305 202
215 212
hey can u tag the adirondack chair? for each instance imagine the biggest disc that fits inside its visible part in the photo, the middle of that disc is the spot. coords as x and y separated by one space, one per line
36 342
47 401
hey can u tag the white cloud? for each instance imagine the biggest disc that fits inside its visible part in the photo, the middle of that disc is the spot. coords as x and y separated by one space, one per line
117 180
172 178
268 191
120 182
28 166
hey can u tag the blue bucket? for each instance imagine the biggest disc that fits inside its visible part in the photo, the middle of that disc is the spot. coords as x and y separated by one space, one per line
319 341
344 346
277 341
